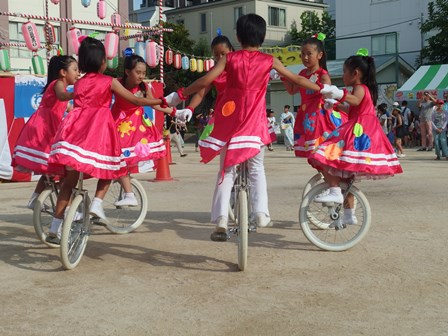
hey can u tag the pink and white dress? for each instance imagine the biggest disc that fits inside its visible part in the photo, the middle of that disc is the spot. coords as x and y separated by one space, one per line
87 140
240 115
358 148
312 120
140 140
33 145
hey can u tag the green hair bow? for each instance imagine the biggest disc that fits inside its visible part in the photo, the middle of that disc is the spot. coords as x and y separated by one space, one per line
362 52
320 36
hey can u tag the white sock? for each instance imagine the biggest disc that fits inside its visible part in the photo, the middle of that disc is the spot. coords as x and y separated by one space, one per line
56 224
349 212
34 195
129 195
98 200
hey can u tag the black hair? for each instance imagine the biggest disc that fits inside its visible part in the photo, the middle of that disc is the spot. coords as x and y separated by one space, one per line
287 106
57 63
130 62
91 55
366 65
404 102
221 39
251 30
320 48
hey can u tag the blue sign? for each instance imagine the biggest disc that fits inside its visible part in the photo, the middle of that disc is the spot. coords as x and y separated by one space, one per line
127 52
27 95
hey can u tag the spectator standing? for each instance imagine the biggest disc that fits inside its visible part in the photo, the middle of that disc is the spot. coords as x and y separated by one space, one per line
172 125
439 123
398 130
271 121
287 122
425 106
407 120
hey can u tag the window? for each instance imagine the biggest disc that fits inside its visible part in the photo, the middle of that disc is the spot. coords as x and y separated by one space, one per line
277 17
237 13
384 44
180 22
203 22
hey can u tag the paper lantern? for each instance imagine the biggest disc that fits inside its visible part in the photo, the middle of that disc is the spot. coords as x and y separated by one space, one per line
73 39
50 35
115 19
212 63
152 54
101 9
112 63
200 65
207 65
185 62
55 1
177 61
29 32
111 45
38 65
193 65
5 63
85 3
139 49
169 57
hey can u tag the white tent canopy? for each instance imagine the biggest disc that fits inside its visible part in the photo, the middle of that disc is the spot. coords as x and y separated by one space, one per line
431 78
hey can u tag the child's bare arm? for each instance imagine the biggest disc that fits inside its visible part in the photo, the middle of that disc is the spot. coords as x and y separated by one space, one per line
61 92
120 90
296 79
206 80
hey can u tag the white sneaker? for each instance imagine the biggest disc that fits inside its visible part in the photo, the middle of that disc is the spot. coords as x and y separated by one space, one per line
96 209
32 201
334 196
324 193
401 155
128 200
221 224
349 220
262 220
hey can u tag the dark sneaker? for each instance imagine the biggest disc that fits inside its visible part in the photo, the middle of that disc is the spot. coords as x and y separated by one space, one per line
53 240
423 149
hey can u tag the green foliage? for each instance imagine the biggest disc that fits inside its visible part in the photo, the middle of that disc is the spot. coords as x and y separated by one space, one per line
436 52
311 24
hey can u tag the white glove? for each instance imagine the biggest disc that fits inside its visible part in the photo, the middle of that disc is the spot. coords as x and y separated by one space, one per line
328 105
273 75
331 91
173 99
184 115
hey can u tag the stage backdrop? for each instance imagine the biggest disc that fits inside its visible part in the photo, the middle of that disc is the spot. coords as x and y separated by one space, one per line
19 99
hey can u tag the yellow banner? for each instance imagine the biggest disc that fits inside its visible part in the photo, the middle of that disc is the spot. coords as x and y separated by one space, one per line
287 55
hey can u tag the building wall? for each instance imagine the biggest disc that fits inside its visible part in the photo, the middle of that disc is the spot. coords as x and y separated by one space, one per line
221 14
380 16
21 57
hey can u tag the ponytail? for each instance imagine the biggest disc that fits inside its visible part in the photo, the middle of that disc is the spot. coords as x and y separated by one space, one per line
366 66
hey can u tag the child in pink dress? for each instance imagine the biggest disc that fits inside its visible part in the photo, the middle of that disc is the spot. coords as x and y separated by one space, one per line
241 130
140 140
87 140
359 148
313 120
34 142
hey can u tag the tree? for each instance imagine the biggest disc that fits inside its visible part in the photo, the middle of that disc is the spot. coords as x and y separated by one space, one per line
312 24
436 52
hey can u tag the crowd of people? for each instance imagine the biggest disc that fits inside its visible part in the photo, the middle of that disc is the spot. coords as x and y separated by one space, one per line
425 128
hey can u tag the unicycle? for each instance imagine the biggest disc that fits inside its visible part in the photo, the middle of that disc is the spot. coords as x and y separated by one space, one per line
124 219
75 228
337 236
44 209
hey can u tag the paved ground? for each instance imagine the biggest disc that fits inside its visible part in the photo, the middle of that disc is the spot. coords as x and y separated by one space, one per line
168 278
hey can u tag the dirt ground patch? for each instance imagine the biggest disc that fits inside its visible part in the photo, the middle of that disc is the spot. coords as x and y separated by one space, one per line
168 278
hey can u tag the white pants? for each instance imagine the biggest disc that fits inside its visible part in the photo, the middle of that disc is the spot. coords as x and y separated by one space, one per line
176 139
258 187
